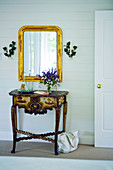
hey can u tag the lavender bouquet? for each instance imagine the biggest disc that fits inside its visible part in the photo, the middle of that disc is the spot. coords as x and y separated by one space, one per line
49 78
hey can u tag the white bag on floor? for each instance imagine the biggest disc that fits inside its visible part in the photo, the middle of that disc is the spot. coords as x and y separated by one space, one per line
68 142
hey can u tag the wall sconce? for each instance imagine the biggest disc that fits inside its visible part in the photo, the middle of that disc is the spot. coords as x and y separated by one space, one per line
9 51
68 50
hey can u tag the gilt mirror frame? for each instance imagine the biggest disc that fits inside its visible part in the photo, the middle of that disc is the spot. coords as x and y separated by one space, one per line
58 31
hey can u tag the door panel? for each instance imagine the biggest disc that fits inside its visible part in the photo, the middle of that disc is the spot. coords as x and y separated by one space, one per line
104 76
108 49
108 111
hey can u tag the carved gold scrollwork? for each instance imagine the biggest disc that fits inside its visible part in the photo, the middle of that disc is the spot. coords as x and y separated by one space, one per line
48 102
21 101
61 100
34 105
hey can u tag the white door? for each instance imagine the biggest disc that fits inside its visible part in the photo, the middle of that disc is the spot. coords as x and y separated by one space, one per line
104 79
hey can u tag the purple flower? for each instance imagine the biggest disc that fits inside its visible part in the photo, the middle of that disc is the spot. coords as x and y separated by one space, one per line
50 77
38 75
55 71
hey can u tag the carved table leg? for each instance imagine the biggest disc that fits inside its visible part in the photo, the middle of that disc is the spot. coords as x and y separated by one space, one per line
14 126
58 111
64 116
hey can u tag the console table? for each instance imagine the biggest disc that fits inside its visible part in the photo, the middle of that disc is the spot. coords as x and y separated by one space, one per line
34 103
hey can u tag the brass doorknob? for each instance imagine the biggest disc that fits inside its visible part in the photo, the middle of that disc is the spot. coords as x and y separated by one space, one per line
98 85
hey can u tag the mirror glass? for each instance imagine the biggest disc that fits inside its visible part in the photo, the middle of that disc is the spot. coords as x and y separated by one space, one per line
40 52
39 49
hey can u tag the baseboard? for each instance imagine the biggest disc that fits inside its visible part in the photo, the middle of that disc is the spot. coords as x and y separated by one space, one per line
6 136
87 140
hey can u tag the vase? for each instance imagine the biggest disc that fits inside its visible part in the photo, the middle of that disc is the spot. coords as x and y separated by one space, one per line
29 85
49 89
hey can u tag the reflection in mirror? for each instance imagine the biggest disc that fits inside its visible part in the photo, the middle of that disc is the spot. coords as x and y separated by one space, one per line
39 49
39 52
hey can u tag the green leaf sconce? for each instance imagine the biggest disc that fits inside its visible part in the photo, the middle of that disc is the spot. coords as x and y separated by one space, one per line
68 50
9 51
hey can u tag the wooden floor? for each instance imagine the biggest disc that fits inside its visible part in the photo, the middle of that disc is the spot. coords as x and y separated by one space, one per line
40 149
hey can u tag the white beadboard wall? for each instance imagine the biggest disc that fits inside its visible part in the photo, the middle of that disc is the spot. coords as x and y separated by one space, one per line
76 18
